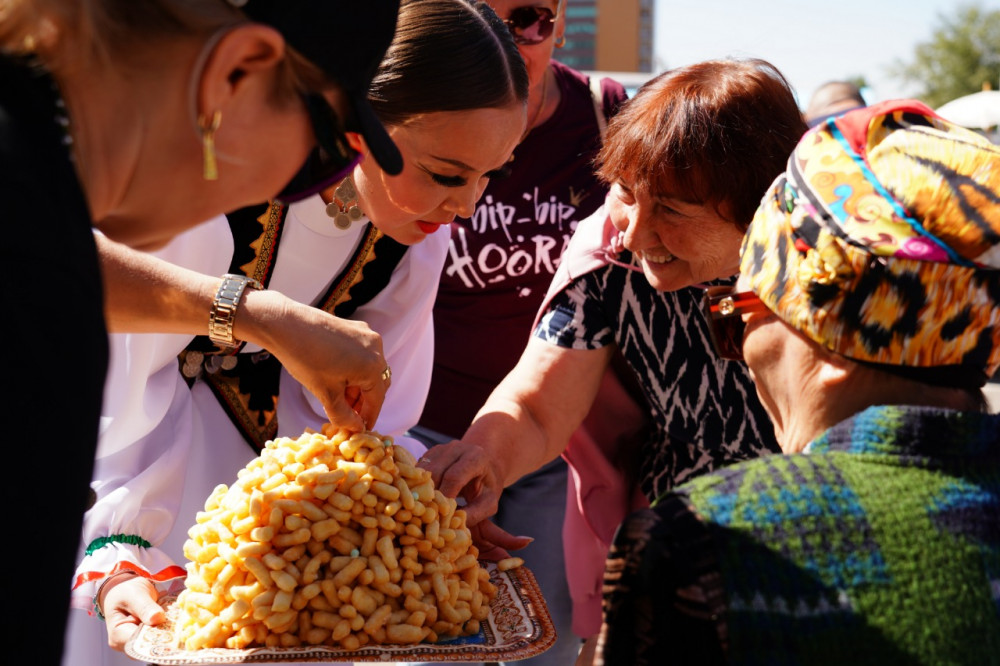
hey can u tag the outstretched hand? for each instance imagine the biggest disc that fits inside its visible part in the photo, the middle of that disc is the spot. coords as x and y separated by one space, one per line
493 542
128 603
340 361
462 469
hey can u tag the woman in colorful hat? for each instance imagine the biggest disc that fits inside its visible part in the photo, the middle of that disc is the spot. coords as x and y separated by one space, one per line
868 311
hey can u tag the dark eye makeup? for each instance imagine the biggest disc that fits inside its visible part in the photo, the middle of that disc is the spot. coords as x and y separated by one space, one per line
502 172
447 181
460 181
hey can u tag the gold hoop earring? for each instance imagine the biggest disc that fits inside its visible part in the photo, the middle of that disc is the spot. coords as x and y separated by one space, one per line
560 41
209 166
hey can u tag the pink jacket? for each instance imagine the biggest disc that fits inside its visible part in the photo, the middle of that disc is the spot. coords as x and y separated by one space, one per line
598 496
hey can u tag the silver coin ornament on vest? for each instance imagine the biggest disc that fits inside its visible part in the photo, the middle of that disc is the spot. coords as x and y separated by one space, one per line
344 207
192 364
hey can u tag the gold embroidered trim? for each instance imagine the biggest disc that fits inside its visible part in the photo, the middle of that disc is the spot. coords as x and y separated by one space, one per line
341 294
264 247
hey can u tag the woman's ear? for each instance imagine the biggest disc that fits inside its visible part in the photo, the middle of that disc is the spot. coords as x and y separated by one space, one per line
559 34
245 60
832 369
357 142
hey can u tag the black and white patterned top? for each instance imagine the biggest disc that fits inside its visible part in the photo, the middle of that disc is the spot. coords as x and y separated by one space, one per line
704 409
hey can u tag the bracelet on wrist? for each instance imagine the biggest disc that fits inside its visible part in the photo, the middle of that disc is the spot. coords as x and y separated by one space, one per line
107 579
222 315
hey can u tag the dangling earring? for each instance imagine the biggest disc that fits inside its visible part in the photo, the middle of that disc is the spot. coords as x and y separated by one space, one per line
560 41
209 168
344 207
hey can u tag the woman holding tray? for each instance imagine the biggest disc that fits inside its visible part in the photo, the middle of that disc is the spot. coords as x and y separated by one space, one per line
175 429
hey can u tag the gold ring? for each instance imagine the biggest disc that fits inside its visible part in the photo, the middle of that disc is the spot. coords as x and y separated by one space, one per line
386 374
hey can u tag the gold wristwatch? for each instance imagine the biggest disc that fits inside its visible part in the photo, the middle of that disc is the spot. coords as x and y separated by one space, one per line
223 312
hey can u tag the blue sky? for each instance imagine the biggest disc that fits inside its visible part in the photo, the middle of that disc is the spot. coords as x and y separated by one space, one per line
810 41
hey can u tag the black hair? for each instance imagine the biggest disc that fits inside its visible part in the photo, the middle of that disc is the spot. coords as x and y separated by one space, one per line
447 55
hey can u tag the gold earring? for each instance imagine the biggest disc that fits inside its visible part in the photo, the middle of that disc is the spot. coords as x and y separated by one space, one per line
560 41
209 169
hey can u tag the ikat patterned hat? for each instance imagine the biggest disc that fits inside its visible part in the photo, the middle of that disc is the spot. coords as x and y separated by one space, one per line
881 241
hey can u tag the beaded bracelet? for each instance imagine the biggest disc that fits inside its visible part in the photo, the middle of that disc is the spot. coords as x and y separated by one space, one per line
108 579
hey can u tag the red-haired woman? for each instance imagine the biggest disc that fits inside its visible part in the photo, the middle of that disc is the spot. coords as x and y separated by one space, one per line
688 160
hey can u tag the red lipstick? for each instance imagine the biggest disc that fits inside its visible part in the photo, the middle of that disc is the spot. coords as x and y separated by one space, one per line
428 227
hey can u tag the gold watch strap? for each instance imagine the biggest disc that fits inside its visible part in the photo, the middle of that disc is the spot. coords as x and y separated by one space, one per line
224 306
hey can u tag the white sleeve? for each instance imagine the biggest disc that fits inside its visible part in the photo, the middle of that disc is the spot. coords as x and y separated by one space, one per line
145 438
402 314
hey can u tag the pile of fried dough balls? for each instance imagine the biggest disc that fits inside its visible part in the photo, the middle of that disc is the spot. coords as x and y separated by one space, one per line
333 539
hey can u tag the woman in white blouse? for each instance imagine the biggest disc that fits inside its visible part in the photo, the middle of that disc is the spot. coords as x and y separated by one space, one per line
166 439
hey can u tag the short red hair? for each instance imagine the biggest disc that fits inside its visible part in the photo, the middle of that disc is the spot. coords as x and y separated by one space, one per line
714 132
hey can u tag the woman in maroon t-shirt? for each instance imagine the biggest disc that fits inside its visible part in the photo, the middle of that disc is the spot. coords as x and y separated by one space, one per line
499 267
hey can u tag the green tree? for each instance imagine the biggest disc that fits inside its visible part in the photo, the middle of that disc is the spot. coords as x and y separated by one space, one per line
859 80
962 55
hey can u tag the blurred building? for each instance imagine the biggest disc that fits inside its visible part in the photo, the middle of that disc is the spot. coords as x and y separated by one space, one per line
609 35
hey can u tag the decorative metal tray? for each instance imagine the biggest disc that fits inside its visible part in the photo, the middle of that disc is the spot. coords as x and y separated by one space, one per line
518 627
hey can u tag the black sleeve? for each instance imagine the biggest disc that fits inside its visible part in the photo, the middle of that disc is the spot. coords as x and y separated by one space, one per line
56 354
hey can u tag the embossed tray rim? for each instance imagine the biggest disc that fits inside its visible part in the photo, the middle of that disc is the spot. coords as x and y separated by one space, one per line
517 591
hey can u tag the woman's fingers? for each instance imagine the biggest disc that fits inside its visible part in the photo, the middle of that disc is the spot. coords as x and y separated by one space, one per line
454 465
494 542
340 361
344 415
127 605
371 402
461 469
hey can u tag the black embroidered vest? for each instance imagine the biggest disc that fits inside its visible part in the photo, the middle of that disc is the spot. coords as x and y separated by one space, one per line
246 385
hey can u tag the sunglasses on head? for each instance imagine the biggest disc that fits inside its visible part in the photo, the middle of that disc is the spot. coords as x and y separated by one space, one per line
330 161
531 25
724 310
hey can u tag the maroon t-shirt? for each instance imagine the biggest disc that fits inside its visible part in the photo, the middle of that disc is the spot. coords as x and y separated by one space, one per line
500 262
